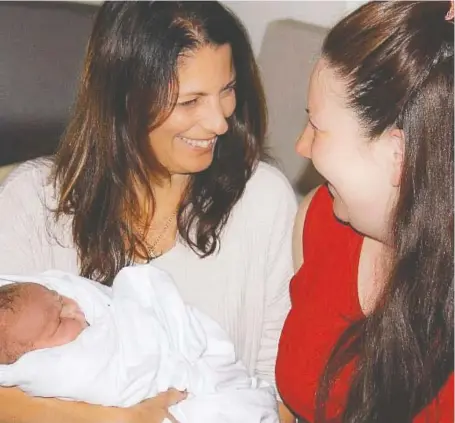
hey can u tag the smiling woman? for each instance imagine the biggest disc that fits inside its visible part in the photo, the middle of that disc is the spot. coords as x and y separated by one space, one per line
158 104
185 142
162 162
370 335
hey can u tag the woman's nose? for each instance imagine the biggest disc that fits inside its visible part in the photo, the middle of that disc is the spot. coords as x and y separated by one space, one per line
305 142
215 120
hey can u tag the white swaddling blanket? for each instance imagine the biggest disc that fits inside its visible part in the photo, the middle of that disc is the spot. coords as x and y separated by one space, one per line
142 340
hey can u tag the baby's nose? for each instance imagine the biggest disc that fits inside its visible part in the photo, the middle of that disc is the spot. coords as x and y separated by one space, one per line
71 310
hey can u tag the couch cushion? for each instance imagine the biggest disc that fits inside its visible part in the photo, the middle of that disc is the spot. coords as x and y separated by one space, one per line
288 53
42 45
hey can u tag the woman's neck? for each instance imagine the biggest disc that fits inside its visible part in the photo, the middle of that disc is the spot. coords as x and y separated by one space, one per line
158 230
167 194
374 267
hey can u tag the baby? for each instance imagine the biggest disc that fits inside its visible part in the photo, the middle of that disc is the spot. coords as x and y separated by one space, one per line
65 336
34 317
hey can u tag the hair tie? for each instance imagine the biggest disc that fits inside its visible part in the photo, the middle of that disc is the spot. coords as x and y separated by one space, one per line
450 14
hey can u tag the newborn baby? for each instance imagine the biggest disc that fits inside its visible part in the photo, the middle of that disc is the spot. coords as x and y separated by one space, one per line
34 317
68 337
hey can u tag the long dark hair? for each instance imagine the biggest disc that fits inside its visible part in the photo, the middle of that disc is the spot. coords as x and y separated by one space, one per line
105 155
397 61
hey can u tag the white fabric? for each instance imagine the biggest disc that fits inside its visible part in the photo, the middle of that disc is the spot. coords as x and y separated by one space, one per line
142 340
244 287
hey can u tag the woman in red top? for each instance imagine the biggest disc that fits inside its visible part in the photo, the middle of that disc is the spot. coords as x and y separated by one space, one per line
370 334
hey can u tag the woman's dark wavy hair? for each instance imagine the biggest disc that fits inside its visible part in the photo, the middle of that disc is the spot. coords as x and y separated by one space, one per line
129 86
397 61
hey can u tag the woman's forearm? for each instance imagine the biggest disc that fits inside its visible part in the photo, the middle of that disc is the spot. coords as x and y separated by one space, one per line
17 407
285 415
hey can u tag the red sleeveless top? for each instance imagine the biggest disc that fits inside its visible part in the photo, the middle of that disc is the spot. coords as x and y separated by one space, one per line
324 298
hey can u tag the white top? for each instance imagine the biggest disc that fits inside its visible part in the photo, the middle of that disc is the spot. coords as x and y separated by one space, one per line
244 287
142 340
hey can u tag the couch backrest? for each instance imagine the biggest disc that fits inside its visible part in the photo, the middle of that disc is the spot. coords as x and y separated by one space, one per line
42 46
288 53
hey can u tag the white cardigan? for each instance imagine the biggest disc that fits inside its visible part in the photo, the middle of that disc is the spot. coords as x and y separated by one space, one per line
244 287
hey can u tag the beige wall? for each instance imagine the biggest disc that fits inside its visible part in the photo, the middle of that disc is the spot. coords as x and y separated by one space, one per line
256 15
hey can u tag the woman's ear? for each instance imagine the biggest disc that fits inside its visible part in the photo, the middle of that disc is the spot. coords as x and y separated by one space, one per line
396 145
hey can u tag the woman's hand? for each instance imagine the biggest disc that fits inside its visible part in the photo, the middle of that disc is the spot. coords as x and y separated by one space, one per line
154 410
18 407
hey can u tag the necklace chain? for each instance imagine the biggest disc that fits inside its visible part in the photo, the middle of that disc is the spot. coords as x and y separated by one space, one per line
151 249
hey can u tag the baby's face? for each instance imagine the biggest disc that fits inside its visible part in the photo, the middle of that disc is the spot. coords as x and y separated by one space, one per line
47 319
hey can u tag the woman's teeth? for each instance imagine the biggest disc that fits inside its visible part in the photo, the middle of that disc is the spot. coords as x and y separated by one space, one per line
199 143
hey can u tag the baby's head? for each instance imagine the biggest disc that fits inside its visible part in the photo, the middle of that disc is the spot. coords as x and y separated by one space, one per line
34 317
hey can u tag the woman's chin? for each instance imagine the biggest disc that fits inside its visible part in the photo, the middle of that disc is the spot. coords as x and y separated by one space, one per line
192 167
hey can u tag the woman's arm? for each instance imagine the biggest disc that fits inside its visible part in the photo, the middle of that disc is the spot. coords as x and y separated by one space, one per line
17 407
24 247
281 209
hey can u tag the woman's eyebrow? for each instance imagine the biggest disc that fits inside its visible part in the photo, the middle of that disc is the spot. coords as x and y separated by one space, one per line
201 93
231 83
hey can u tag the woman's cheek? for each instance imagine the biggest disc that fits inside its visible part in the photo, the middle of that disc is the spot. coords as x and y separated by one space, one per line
322 160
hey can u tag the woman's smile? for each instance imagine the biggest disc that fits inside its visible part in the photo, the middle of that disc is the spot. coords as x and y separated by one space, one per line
199 143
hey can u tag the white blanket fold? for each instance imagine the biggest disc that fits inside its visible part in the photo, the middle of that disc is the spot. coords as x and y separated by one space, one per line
142 340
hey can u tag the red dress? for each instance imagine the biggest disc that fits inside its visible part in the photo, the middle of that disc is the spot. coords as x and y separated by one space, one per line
325 300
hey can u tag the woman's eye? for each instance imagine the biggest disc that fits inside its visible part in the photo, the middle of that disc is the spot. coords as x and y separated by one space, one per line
188 102
315 129
230 89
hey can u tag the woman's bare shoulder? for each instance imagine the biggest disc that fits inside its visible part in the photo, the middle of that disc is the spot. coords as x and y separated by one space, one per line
297 247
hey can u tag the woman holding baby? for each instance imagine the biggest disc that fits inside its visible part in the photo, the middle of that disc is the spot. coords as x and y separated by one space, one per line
162 163
166 166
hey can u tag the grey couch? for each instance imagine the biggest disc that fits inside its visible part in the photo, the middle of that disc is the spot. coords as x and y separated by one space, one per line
42 46
288 52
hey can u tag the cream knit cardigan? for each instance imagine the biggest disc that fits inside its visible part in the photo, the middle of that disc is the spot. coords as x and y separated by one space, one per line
244 286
